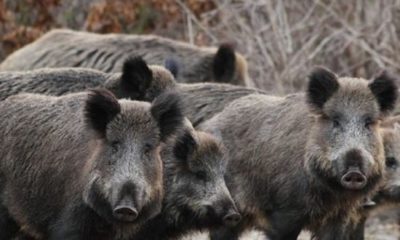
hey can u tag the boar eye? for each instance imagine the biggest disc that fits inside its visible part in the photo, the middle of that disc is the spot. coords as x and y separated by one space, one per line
115 146
335 122
391 162
368 122
147 148
201 175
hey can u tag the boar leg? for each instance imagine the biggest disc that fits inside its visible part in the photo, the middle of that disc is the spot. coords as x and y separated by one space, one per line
285 225
8 227
358 232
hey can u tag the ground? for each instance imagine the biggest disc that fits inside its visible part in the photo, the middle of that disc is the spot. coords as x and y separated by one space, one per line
382 226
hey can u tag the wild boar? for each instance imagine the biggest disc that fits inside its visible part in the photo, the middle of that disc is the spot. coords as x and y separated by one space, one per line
196 196
106 52
84 165
305 160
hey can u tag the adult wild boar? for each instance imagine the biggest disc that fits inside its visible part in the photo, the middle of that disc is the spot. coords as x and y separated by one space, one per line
61 81
305 160
82 166
196 196
106 52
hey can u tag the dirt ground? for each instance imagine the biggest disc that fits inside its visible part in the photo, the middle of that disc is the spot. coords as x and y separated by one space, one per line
382 226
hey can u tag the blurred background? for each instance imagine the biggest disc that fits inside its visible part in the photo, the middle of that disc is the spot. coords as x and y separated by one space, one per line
282 40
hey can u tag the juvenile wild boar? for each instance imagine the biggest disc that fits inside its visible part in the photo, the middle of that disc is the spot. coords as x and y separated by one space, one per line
196 196
105 52
388 195
61 81
305 160
82 166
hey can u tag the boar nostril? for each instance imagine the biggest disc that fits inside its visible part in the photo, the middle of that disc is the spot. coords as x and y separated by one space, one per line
125 213
353 180
232 218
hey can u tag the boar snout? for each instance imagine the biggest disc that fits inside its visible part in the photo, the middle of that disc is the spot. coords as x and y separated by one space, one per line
354 159
355 163
353 179
125 210
127 207
226 210
232 217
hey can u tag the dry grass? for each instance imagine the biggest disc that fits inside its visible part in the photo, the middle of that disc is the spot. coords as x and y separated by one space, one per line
284 39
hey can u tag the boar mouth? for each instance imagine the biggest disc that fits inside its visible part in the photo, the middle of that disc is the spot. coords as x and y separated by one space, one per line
353 179
226 217
232 218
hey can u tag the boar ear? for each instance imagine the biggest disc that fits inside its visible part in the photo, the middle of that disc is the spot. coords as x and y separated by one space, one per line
385 91
136 78
166 109
321 86
224 63
101 107
185 146
172 65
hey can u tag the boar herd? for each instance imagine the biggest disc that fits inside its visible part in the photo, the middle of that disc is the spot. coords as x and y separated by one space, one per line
132 137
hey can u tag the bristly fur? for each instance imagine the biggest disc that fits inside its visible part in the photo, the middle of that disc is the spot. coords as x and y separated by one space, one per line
101 107
384 89
183 209
167 111
136 78
79 178
322 84
224 63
